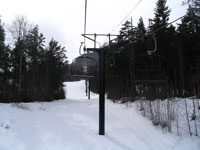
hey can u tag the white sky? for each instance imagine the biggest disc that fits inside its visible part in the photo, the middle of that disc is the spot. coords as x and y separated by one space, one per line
64 19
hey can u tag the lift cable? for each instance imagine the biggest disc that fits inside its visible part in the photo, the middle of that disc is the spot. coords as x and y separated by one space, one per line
126 16
153 32
164 26
112 57
149 34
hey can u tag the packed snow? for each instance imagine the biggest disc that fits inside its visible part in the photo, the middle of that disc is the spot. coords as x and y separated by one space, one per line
72 124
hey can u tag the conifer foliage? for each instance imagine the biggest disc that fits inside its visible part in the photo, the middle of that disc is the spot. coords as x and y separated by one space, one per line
178 48
31 71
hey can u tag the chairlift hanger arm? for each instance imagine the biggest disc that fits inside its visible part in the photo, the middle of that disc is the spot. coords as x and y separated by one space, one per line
149 52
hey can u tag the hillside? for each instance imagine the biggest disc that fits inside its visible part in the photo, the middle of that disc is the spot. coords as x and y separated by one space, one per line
72 124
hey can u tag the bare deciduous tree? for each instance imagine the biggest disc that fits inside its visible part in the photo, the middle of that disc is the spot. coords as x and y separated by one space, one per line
19 28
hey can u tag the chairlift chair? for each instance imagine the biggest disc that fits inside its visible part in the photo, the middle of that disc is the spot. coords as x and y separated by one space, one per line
150 71
148 68
85 66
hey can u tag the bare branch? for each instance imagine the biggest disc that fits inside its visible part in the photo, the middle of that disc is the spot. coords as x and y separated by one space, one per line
19 27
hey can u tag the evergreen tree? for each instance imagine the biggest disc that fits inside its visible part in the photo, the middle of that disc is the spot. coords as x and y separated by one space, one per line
2 45
141 31
19 29
140 43
189 35
30 71
160 20
161 13
56 67
2 56
4 65
163 33
195 4
19 64
34 45
125 31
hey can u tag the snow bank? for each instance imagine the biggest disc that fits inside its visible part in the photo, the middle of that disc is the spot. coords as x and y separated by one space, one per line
72 124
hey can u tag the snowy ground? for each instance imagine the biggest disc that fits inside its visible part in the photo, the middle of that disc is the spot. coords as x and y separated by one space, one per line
72 124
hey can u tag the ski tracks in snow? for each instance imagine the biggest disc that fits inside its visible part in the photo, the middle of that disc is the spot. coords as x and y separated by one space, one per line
72 124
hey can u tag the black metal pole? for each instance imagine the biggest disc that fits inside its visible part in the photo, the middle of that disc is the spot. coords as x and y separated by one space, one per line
95 40
88 89
101 94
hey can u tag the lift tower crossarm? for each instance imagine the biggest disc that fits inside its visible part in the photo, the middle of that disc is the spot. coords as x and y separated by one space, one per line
102 49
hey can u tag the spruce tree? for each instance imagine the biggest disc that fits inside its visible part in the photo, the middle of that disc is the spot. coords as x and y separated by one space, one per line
2 46
141 31
161 13
4 65
189 35
160 22
34 45
56 67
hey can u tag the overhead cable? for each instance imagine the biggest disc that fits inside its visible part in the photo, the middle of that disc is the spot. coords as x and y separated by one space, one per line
126 16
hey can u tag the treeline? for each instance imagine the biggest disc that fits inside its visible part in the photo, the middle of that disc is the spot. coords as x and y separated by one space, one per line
178 47
30 71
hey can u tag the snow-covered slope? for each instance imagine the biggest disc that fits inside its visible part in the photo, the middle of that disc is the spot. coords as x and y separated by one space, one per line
72 124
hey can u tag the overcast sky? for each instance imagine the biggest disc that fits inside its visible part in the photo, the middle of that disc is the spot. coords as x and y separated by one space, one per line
64 19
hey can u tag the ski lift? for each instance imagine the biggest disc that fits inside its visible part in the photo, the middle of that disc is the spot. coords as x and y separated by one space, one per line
148 68
85 66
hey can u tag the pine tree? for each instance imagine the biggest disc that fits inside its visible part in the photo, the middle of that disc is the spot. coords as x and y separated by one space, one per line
140 43
125 31
4 65
195 4
160 22
2 46
141 31
34 48
161 13
189 35
19 29
37 71
56 67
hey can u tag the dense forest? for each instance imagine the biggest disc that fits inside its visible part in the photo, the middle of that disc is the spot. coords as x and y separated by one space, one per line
177 58
30 70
